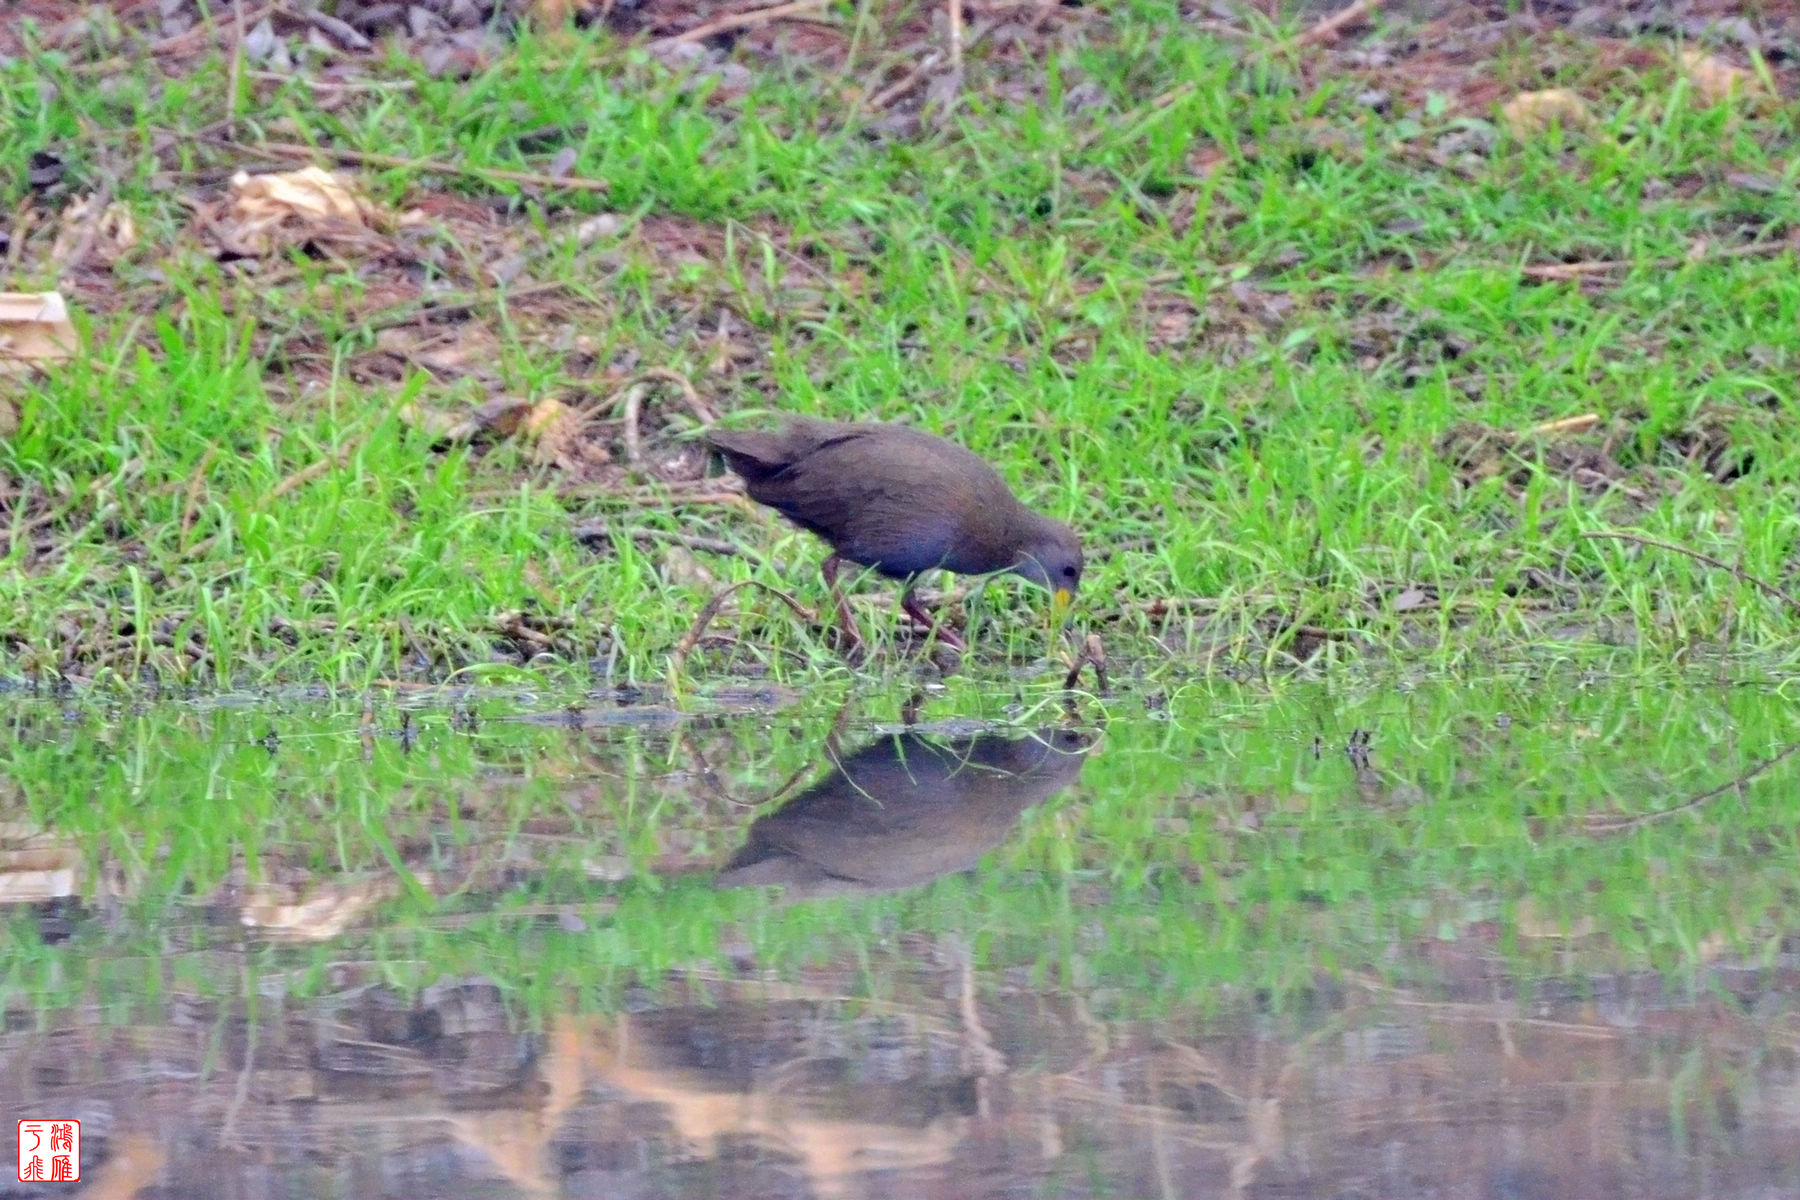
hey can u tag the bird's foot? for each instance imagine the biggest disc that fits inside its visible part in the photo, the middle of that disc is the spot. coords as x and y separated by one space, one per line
947 636
849 643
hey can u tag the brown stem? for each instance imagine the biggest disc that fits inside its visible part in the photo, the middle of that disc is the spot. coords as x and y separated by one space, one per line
1619 535
1328 28
711 609
740 20
1092 654
1599 825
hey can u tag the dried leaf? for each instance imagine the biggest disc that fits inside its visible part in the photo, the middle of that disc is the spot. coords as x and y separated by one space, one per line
563 163
437 424
1756 181
326 911
1532 112
457 349
548 13
105 234
681 569
501 417
459 55
311 193
557 429
34 329
1716 81
532 631
259 44
288 206
339 33
1411 599
38 868
1533 920
594 228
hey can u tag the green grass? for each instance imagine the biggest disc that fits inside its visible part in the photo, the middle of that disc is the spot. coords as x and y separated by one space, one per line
1233 337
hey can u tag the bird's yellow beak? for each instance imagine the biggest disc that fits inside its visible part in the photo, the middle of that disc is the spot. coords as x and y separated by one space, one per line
1060 600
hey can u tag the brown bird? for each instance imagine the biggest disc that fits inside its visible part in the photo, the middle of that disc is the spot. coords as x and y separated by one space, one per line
903 502
904 810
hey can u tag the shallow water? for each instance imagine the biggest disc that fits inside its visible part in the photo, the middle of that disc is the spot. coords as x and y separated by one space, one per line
1518 938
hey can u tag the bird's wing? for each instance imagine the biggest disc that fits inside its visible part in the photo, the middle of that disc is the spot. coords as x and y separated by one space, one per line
903 511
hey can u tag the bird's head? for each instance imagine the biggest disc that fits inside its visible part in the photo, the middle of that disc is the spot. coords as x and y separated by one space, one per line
1050 556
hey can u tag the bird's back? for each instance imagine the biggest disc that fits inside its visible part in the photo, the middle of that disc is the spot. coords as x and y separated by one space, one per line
760 455
886 496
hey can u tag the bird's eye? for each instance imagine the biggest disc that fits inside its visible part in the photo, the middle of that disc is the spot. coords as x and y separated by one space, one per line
1068 572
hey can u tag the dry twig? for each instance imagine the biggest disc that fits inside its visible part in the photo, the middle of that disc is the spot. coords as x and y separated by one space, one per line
1155 105
634 437
598 531
1578 424
662 495
1092 654
702 411
336 85
234 77
1562 272
710 778
339 31
740 20
1328 28
310 472
1616 824
190 509
447 306
905 83
1619 535
711 609
633 399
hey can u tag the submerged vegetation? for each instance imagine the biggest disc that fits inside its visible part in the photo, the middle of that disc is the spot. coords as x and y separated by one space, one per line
1228 849
1425 925
1321 352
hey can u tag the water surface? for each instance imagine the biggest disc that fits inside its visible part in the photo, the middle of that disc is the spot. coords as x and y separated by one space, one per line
1519 938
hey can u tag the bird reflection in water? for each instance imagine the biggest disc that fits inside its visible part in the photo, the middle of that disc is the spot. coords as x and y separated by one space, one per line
904 810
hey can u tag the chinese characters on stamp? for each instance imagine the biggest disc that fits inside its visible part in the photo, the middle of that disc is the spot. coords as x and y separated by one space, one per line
49 1151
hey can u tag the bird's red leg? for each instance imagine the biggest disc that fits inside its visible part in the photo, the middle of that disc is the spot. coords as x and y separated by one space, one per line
846 618
909 604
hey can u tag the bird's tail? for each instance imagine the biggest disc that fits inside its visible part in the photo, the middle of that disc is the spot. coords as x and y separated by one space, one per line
754 455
